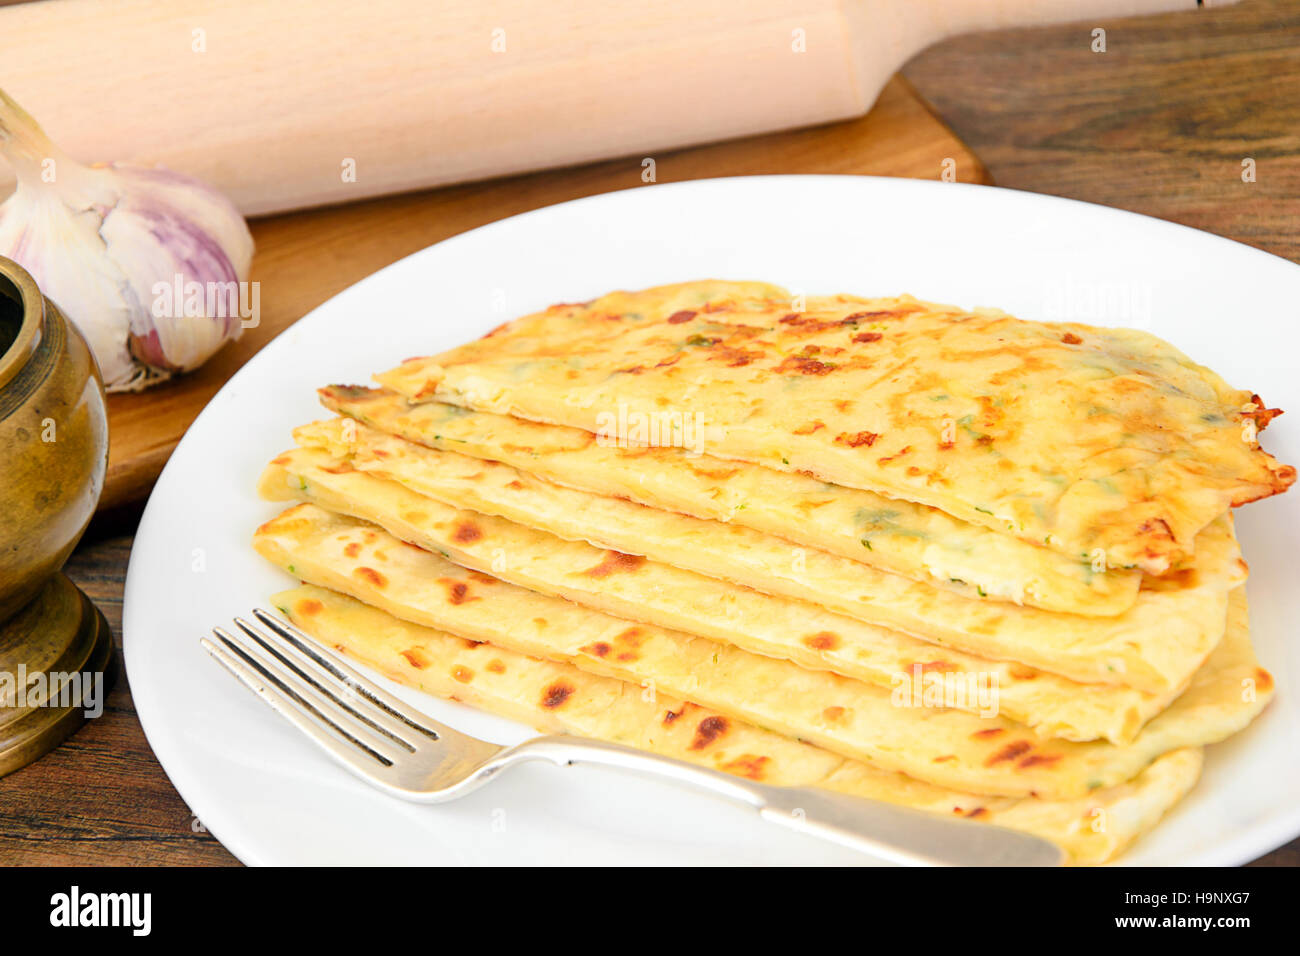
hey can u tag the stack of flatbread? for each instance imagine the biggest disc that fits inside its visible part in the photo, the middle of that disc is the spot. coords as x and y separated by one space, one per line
947 559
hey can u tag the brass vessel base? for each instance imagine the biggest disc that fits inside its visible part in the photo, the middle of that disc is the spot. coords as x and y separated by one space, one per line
51 652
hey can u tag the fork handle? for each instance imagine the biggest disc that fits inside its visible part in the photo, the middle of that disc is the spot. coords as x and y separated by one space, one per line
896 834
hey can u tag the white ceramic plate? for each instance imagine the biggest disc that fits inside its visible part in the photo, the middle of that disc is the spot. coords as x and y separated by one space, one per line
270 797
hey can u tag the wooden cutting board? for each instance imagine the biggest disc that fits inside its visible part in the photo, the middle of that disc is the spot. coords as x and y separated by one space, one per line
305 258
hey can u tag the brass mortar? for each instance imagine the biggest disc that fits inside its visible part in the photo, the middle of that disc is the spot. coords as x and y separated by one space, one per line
53 455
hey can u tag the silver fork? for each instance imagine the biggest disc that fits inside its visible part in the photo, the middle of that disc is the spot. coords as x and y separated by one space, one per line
396 748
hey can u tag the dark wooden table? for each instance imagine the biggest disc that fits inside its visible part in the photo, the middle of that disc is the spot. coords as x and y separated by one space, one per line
1159 124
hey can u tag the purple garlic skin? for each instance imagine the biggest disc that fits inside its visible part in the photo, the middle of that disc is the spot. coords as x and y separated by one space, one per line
158 230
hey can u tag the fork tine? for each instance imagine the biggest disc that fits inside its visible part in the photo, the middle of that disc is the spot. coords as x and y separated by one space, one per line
357 759
342 671
313 713
340 692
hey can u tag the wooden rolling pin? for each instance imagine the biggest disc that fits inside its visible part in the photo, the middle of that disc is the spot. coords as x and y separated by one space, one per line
303 102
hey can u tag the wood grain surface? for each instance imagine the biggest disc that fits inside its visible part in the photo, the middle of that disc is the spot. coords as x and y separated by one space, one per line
101 799
1158 124
305 258
1159 127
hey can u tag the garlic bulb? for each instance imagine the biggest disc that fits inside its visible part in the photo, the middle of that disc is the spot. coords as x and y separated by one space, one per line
152 266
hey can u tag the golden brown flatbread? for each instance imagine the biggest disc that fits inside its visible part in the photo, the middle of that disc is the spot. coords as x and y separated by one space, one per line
916 541
1073 437
946 747
1154 647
